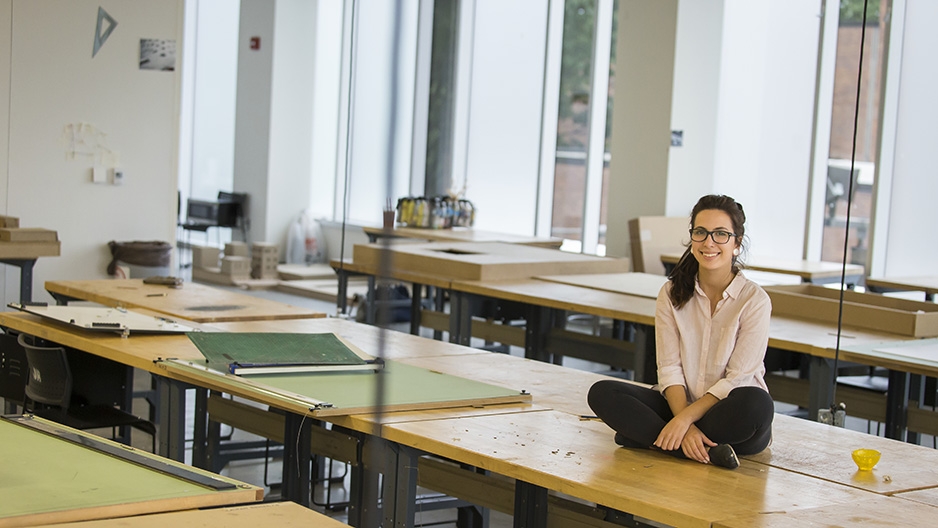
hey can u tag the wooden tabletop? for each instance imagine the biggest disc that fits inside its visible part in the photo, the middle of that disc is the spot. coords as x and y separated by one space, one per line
50 479
820 339
483 260
559 296
29 250
808 270
138 351
917 356
641 284
463 234
558 451
922 283
193 302
428 279
279 514
869 512
823 451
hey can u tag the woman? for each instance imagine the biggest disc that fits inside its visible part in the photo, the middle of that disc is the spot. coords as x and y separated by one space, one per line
711 332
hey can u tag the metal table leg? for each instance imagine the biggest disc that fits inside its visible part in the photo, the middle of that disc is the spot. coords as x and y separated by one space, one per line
530 505
171 442
297 434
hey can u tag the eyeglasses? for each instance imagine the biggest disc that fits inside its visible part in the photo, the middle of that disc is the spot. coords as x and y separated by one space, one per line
699 234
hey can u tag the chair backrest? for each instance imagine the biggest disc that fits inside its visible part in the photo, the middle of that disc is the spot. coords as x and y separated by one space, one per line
49 381
12 369
232 207
650 236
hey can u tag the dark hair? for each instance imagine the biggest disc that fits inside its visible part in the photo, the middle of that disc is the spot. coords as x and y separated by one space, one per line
684 275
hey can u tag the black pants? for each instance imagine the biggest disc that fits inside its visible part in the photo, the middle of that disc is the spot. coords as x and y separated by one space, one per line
638 414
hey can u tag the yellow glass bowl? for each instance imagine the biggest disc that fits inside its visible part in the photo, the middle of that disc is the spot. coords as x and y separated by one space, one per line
865 458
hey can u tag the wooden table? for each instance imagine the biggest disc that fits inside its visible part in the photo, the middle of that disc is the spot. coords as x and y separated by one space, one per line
544 445
816 272
460 234
640 284
869 512
922 283
193 301
24 255
54 474
279 514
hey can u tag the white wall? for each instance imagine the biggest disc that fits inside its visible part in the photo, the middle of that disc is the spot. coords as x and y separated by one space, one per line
291 118
505 113
911 248
694 107
641 120
252 111
55 82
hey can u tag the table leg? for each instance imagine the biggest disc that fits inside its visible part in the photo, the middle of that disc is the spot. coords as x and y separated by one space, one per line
820 393
439 304
897 404
342 297
460 318
200 456
530 505
26 281
363 510
399 496
172 418
416 300
536 327
371 310
297 435
646 364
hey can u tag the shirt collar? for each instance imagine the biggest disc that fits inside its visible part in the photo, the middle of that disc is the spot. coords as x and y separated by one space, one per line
732 290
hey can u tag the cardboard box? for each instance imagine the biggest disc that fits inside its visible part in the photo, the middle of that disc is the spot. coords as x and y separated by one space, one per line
237 249
9 221
27 234
205 256
650 236
863 310
236 266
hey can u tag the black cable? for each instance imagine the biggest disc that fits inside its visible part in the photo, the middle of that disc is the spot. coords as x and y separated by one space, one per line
853 159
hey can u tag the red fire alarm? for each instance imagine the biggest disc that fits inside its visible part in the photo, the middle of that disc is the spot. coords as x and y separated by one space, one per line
255 43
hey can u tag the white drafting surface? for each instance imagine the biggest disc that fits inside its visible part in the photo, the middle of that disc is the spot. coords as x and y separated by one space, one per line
106 319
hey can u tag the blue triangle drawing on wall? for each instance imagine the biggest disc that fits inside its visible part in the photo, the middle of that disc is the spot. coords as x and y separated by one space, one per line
99 37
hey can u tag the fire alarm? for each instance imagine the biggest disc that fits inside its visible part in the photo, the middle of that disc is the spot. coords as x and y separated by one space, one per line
255 43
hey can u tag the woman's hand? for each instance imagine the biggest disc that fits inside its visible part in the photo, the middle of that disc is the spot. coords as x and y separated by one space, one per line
672 435
695 445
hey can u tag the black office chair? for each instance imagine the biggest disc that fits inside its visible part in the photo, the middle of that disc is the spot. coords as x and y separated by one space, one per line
49 394
12 372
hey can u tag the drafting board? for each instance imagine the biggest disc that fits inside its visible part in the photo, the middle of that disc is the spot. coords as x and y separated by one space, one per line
322 394
276 352
106 319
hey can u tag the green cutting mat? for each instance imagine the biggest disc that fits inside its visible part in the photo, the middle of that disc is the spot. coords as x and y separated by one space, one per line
41 473
221 349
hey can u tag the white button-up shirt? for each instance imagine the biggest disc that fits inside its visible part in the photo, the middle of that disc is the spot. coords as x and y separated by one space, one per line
713 353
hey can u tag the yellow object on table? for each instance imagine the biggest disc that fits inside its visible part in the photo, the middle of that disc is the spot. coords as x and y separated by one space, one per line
865 458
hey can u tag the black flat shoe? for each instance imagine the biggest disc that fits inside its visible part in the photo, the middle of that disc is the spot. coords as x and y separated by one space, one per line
724 456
